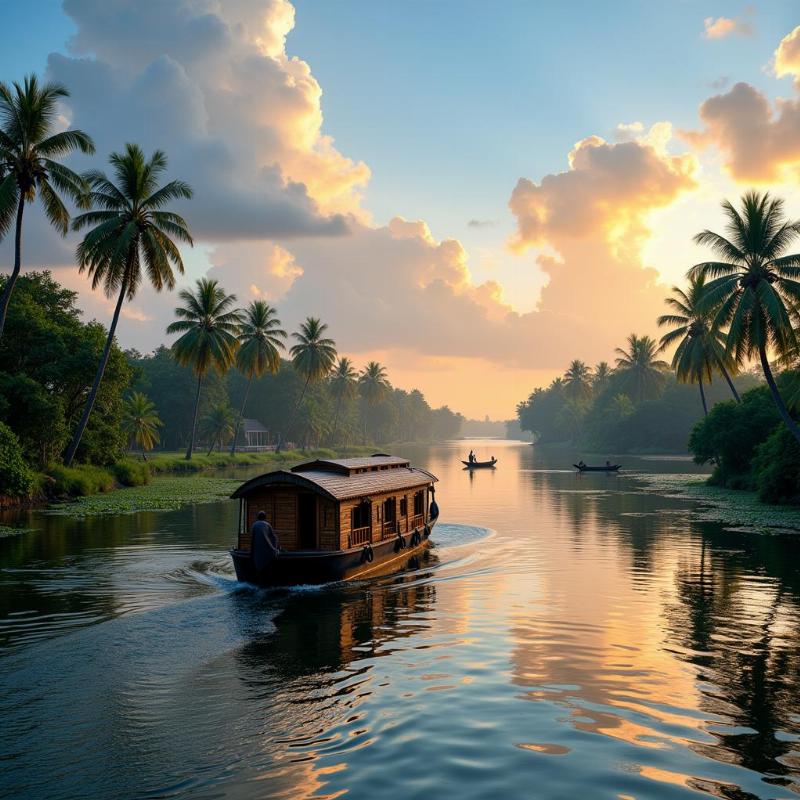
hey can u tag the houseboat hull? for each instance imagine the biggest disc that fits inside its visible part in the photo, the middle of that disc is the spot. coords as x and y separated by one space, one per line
295 568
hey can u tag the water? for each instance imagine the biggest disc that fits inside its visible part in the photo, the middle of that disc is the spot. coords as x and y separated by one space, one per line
567 637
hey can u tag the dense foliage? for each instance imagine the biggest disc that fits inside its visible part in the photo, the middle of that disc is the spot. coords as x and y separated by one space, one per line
16 478
48 357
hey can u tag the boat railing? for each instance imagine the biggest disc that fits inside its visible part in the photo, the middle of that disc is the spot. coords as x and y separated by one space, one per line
389 529
417 521
360 536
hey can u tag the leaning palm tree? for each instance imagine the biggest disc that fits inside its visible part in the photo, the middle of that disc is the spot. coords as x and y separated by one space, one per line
343 385
701 347
641 372
218 425
260 340
313 356
30 150
754 288
210 327
140 421
578 380
130 234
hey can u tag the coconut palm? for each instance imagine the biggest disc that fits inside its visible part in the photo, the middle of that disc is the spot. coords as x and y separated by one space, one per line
313 356
374 386
642 374
30 150
140 421
701 347
210 327
344 382
755 289
131 234
218 425
578 381
260 340
600 377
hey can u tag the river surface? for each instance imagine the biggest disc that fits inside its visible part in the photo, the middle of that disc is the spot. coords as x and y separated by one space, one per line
567 637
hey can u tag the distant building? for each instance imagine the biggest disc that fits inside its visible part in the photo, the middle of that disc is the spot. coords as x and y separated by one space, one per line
255 435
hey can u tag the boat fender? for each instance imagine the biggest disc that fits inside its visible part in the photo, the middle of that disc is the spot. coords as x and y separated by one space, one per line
427 531
366 554
434 509
400 543
415 538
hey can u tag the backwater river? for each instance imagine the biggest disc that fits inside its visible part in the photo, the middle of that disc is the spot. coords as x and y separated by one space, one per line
566 637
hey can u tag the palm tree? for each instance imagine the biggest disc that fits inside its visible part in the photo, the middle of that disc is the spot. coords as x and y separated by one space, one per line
260 339
313 356
140 421
602 373
578 380
642 374
218 425
130 234
701 350
29 153
374 386
755 289
210 328
343 384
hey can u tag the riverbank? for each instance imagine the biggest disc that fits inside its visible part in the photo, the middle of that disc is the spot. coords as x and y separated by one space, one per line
734 508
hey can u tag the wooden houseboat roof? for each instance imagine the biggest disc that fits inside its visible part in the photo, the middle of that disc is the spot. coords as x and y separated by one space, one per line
351 466
340 485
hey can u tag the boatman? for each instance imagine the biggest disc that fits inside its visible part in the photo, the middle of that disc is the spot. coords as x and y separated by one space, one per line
264 548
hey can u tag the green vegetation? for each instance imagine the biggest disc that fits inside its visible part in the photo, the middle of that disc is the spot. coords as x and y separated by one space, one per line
16 477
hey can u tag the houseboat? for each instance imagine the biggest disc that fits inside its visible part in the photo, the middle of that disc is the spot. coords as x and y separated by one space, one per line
336 519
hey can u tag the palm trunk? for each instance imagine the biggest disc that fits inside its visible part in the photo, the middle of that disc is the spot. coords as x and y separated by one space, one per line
101 368
703 396
5 298
241 416
294 413
730 383
336 419
194 419
773 387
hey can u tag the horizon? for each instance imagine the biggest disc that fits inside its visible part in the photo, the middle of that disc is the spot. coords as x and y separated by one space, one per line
435 191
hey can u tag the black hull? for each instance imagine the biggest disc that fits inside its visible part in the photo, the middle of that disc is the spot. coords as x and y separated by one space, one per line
312 567
613 468
480 464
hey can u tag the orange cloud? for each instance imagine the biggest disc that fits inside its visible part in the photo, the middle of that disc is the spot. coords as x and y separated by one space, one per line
759 140
787 56
722 27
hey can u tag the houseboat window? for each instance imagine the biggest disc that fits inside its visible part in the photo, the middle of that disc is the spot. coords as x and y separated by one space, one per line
419 503
403 506
327 516
361 515
389 509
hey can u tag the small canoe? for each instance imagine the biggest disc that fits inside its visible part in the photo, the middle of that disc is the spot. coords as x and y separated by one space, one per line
611 468
479 464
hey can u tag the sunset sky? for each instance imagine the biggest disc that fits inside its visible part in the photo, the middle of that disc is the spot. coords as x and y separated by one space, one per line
471 193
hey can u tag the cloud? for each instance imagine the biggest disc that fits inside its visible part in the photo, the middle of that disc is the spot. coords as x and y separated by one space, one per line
787 56
723 27
482 223
212 85
759 140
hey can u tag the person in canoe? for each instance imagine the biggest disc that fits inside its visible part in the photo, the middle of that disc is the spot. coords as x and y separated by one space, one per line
581 464
264 548
471 458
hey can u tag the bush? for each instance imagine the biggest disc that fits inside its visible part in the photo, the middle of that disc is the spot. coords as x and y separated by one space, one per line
730 434
131 473
16 478
776 467
80 481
